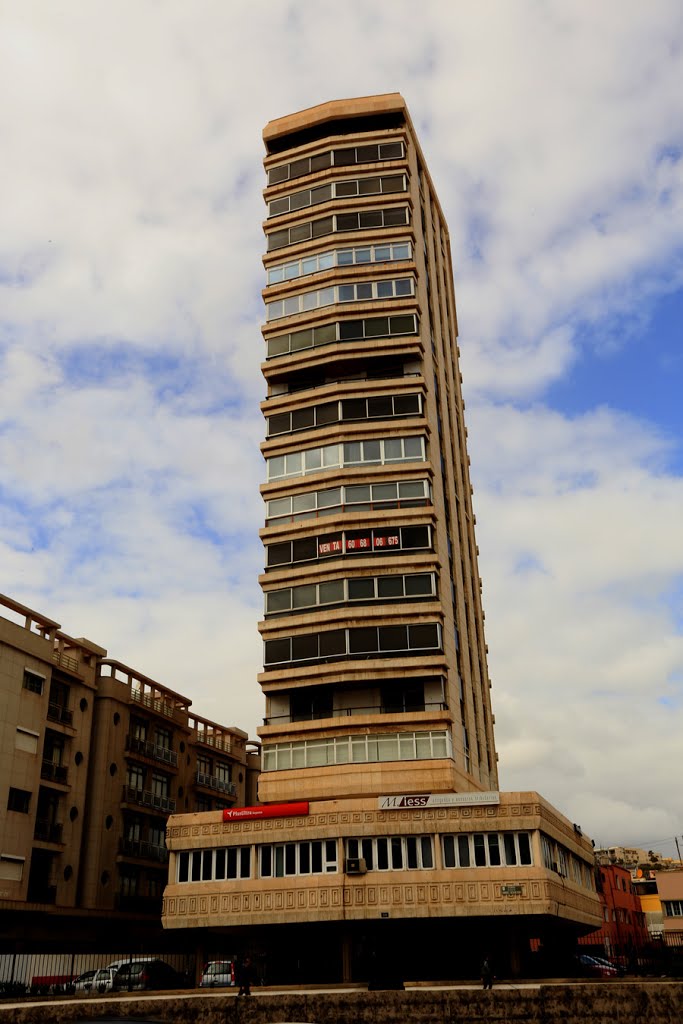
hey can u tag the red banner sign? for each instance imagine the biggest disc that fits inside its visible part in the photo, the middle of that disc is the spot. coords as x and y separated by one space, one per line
329 547
267 811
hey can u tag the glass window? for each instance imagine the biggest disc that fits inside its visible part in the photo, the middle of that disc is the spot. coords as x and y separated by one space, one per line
277 651
479 850
382 253
494 849
333 643
344 189
412 447
403 324
279 601
390 586
383 492
363 291
276 466
393 449
524 848
403 287
361 589
331 592
279 424
358 493
419 585
424 636
327 413
463 851
377 327
345 257
347 293
363 640
329 498
385 289
305 647
415 536
393 638
372 451
380 406
304 597
352 453
305 549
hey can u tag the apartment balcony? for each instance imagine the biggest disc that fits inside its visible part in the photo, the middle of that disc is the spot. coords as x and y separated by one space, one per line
216 784
157 704
152 750
58 713
145 798
315 716
143 850
66 661
48 831
54 773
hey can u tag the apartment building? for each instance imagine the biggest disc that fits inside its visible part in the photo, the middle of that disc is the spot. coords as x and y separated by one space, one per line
383 831
94 757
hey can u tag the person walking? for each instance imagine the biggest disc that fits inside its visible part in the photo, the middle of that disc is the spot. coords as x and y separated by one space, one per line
245 974
487 973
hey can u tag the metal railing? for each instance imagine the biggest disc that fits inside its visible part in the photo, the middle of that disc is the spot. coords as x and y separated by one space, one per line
213 782
154 750
59 713
142 849
360 709
54 772
210 740
146 798
163 707
47 831
65 660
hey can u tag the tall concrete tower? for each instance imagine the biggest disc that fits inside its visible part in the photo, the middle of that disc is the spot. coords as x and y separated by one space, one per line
375 670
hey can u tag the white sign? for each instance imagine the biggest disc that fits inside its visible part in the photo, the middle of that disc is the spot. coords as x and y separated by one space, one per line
392 803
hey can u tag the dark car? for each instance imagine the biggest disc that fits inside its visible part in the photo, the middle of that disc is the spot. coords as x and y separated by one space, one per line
142 975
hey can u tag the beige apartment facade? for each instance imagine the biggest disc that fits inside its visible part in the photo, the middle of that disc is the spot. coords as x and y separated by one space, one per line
94 757
382 836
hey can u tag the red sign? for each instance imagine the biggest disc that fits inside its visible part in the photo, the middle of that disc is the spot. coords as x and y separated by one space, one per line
358 544
267 811
386 542
329 547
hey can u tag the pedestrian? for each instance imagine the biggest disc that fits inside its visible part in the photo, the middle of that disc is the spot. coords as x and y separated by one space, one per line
245 973
487 973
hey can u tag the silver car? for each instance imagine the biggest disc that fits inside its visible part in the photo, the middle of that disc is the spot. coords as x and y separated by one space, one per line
218 974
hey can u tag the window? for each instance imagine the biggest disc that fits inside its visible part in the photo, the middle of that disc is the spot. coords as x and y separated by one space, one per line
395 853
356 453
18 800
398 288
33 681
350 498
405 538
135 777
492 849
389 252
11 868
223 771
357 749
548 853
160 784
26 740
348 188
163 738
354 642
673 908
360 220
345 330
304 858
204 765
336 158
361 589
207 865
347 410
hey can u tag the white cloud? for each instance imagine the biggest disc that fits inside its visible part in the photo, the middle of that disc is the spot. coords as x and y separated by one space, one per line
130 281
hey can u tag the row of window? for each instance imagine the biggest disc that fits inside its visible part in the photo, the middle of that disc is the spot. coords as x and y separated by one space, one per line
483 850
358 641
346 188
357 749
364 291
368 154
351 498
344 330
334 545
350 453
346 410
557 858
380 853
360 255
365 589
357 220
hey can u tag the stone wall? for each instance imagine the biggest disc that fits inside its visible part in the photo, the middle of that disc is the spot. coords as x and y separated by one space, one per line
594 1003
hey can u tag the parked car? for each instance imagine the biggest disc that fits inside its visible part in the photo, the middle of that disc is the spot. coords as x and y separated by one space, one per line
596 967
103 980
83 982
143 975
218 974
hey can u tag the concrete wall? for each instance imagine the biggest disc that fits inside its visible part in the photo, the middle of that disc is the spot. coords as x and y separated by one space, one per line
594 1003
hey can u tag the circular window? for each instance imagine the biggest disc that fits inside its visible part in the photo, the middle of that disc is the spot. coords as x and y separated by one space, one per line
182 747
104 878
108 822
73 813
117 718
68 872
84 704
79 757
112 769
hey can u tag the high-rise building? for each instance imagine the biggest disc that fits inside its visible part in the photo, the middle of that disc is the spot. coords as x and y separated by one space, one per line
382 827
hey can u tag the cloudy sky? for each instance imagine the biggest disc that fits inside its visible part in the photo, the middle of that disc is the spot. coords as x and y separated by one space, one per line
130 278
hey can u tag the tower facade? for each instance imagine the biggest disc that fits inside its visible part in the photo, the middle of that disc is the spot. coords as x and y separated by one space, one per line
375 673
380 828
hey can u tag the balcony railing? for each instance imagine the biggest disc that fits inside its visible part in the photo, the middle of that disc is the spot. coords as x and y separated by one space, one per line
54 772
162 707
143 850
223 743
359 709
213 782
58 713
47 831
65 660
153 750
146 798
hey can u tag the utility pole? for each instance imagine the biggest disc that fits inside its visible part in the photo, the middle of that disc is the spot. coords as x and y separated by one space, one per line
678 848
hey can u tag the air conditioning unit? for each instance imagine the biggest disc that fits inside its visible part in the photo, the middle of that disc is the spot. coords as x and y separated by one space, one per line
355 866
